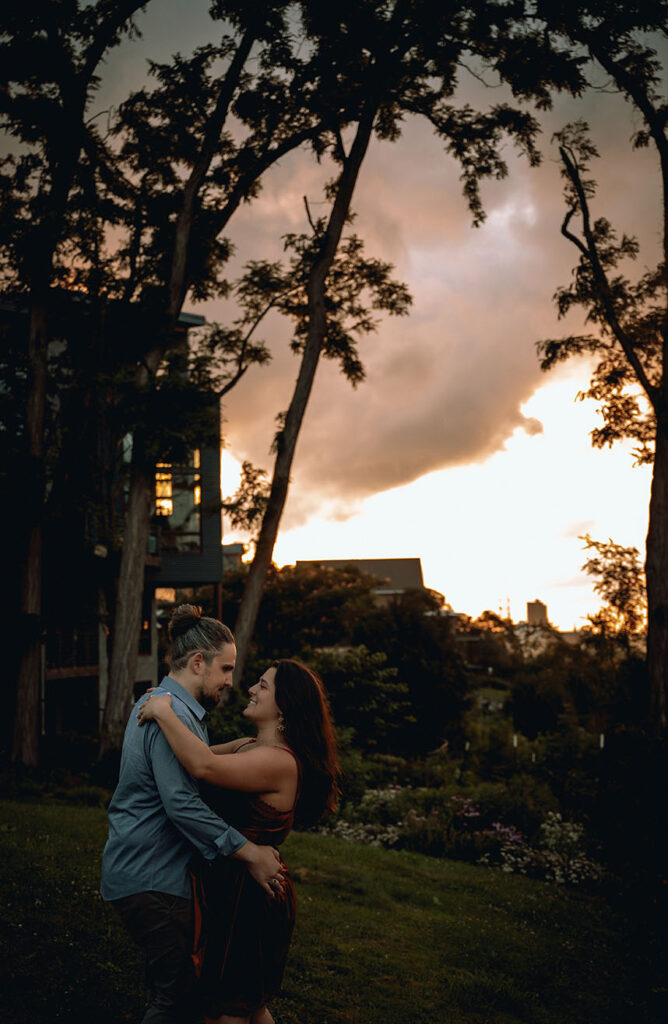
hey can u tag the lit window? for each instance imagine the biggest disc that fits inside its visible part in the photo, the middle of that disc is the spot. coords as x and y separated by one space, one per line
164 504
178 500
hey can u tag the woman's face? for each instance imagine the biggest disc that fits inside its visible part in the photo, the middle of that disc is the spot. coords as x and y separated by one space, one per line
262 706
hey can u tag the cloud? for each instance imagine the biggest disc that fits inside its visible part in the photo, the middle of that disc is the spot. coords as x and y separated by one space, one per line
446 385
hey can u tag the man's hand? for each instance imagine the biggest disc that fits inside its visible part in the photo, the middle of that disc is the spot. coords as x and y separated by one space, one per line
264 864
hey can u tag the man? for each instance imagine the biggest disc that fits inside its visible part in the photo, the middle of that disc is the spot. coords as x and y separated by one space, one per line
157 819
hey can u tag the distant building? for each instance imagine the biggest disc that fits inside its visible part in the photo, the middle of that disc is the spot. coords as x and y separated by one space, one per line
537 613
232 555
396 575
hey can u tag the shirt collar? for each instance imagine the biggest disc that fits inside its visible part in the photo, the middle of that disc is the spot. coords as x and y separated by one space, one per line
180 691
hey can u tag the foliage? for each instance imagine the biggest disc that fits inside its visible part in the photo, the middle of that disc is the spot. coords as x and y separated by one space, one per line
629 318
490 641
419 642
247 505
227 722
620 581
365 695
357 287
559 855
394 672
303 607
595 683
453 824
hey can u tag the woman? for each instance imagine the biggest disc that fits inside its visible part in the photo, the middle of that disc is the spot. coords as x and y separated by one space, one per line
260 786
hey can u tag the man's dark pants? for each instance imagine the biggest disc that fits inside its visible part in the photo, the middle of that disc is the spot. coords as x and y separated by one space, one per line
163 926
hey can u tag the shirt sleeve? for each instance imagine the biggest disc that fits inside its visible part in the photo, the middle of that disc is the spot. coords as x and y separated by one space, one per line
208 833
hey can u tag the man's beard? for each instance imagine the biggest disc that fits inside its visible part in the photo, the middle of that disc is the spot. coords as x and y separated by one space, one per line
209 703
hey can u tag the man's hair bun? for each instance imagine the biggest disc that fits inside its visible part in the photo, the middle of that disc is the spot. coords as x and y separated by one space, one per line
190 631
183 619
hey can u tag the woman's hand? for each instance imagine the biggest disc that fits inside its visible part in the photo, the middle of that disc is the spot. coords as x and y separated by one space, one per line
152 707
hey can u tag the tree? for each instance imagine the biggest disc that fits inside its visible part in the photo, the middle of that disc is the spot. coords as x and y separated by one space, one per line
393 672
382 62
366 697
631 318
174 236
351 275
491 642
303 608
133 218
419 643
45 110
632 345
620 582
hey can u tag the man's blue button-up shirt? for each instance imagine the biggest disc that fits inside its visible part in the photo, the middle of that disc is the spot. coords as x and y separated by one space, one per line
157 817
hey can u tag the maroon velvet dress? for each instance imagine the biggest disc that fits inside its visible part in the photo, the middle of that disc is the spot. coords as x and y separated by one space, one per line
242 933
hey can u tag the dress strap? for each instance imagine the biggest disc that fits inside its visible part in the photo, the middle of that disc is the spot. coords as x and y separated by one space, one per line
244 744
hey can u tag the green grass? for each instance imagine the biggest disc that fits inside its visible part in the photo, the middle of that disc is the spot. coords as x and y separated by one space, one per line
382 936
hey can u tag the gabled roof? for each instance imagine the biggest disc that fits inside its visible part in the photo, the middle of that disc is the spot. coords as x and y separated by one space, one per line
397 574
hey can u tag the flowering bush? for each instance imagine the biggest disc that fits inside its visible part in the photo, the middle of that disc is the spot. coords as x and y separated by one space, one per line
453 825
372 834
559 855
562 852
507 847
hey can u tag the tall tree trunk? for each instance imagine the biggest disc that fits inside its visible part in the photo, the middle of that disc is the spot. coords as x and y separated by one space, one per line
127 618
656 563
288 436
25 743
127 621
656 568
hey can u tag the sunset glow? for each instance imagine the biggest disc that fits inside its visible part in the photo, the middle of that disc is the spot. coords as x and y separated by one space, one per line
501 532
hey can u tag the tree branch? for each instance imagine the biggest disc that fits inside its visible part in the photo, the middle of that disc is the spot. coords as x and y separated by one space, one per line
244 345
178 283
604 291
121 11
308 214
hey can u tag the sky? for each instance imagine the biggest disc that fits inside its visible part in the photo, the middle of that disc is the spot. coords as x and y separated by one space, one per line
456 448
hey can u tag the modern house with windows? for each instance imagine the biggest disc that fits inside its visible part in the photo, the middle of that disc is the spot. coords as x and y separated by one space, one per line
184 550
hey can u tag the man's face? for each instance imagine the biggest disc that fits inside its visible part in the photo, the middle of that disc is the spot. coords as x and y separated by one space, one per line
217 676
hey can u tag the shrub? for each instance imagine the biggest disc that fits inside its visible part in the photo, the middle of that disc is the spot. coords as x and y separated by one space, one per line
559 855
441 823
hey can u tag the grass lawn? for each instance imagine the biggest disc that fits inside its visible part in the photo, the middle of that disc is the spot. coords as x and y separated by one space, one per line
383 937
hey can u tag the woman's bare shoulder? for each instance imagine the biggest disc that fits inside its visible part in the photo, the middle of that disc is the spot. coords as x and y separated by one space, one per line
269 755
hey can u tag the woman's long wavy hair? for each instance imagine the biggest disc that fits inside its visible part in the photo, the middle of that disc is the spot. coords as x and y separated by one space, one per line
308 730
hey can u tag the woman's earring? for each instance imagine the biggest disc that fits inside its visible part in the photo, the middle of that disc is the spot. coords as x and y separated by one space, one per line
281 723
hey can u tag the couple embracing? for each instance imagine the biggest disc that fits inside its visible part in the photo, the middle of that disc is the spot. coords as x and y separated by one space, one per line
192 866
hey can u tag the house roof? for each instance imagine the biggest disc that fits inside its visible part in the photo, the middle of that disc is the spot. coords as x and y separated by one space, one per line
397 574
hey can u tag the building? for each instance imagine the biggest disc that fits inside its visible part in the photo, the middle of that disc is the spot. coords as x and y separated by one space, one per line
184 551
232 556
537 613
396 575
